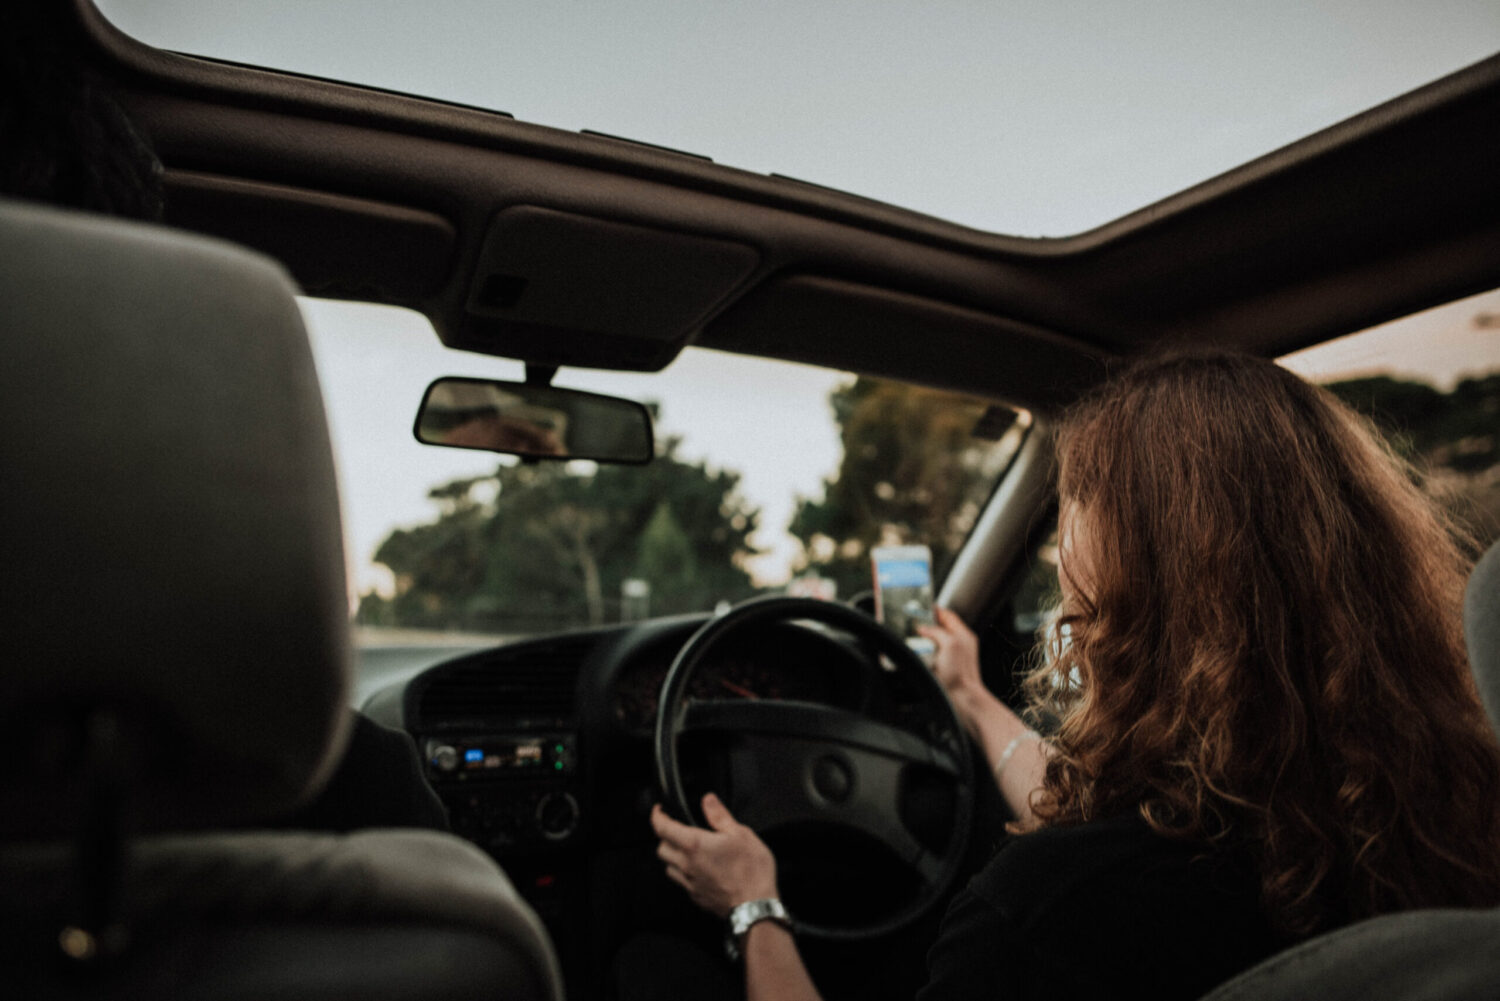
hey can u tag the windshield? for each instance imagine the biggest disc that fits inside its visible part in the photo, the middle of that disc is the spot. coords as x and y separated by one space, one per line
769 477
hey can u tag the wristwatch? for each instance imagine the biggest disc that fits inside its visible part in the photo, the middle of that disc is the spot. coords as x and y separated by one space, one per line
746 915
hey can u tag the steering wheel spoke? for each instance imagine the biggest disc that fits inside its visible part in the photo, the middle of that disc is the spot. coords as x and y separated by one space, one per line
796 763
817 723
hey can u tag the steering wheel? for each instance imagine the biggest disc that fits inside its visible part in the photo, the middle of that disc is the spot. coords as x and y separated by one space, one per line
800 763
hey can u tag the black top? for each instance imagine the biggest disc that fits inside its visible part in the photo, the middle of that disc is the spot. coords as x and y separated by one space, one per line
1108 909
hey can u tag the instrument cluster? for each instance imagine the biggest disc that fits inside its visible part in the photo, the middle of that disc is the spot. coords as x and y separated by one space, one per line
783 666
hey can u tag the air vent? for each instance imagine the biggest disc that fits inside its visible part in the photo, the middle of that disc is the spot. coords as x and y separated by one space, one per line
533 682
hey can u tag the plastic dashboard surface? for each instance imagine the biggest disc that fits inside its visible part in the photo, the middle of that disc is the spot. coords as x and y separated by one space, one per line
543 745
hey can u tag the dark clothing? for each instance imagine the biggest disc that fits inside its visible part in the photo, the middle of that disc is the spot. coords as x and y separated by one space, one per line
655 967
1108 909
379 783
1102 910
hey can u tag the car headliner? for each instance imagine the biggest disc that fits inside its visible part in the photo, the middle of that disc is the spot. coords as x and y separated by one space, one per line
578 249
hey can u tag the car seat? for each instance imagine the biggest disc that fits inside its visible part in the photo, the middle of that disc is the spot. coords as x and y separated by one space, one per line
176 653
1439 954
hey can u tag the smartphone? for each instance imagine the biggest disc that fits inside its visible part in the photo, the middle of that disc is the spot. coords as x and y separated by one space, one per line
903 589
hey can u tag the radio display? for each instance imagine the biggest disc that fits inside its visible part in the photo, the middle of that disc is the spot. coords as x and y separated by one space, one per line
507 756
501 755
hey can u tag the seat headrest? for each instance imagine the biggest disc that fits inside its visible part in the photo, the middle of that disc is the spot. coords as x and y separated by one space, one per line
1482 630
172 538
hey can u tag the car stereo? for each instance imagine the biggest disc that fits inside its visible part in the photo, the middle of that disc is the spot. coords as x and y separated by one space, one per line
501 757
508 791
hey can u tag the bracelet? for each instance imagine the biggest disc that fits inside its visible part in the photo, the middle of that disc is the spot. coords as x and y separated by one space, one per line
1010 749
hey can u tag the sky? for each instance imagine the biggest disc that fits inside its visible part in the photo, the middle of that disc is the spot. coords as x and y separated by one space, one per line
1038 118
1438 346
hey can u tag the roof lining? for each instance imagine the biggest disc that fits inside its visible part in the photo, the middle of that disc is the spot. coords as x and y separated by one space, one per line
1293 248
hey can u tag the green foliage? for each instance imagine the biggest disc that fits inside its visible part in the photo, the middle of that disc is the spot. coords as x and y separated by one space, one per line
1452 439
666 559
553 547
912 472
1458 430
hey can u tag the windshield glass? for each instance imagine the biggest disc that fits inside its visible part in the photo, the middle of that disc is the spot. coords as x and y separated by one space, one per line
769 476
1038 119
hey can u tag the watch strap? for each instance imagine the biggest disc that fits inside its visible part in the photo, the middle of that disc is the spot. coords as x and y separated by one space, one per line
745 916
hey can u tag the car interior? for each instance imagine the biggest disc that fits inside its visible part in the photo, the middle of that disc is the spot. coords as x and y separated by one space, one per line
182 661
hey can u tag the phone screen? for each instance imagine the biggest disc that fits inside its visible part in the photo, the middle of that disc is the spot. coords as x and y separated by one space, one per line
903 588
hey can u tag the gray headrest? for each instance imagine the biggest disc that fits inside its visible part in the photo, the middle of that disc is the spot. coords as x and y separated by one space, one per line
1482 630
172 544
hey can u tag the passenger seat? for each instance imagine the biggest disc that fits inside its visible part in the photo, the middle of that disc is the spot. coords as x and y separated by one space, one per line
176 653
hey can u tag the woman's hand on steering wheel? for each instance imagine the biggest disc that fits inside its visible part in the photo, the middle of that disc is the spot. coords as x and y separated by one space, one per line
720 868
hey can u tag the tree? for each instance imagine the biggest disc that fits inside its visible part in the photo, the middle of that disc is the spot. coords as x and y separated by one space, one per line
437 566
1458 430
666 559
913 471
552 548
1452 439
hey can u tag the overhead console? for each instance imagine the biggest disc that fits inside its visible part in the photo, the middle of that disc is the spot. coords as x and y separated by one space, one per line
558 288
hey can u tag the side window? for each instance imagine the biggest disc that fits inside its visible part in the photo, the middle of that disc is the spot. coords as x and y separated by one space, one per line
1431 381
1008 645
1038 595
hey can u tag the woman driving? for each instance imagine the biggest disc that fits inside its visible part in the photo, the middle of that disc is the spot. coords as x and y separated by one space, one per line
1266 726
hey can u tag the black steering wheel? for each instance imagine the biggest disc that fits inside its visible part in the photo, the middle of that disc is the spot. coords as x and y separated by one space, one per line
797 763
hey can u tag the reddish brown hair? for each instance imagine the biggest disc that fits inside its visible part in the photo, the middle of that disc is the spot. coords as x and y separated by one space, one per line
1268 647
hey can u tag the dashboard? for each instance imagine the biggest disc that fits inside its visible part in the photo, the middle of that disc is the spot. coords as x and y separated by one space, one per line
543 746
789 666
542 752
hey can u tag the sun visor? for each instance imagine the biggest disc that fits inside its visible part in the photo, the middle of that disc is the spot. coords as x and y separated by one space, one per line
334 245
557 288
832 322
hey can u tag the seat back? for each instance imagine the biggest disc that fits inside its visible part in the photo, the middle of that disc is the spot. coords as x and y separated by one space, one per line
1424 955
176 652
388 914
1482 630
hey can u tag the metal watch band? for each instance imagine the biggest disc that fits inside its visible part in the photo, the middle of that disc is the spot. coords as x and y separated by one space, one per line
747 915
751 911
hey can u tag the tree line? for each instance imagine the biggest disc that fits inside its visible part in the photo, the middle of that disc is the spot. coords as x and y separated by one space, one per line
544 546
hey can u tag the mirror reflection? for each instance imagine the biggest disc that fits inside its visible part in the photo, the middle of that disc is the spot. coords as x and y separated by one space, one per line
543 422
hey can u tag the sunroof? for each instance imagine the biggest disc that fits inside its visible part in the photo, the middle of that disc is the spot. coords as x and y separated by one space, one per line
1036 122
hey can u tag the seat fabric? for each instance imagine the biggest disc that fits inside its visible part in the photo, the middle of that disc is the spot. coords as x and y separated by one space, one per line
176 625
1482 630
1430 955
372 914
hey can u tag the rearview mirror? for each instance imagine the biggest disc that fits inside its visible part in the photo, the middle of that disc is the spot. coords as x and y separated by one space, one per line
542 422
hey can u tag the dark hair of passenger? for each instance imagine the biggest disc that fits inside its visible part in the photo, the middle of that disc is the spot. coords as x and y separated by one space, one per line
63 139
1268 649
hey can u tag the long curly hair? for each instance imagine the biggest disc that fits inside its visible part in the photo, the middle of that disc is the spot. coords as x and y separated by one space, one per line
1267 647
